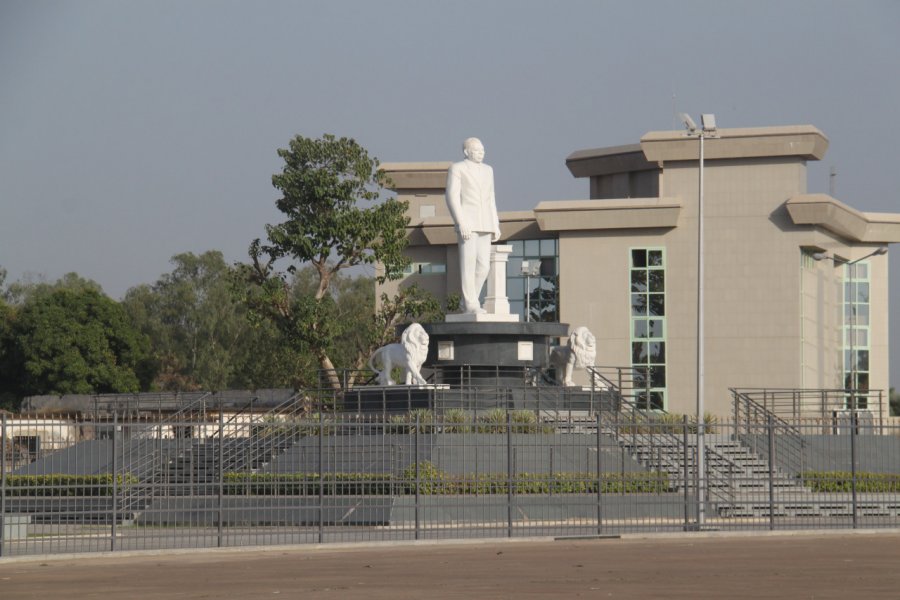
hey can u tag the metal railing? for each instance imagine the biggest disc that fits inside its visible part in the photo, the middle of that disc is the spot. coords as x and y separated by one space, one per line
428 475
808 405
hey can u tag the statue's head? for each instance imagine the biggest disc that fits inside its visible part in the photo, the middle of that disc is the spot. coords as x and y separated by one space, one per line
473 149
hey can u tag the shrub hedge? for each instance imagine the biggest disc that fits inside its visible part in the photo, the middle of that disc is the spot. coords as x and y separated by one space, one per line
433 481
57 485
841 481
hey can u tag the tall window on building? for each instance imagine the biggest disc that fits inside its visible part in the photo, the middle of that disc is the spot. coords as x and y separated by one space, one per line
536 292
856 333
648 326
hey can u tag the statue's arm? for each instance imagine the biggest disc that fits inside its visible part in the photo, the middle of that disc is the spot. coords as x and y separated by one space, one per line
454 203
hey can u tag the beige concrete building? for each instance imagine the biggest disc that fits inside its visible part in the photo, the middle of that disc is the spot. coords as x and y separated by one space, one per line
624 263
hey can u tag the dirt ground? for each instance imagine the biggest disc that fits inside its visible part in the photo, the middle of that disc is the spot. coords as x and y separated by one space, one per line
843 565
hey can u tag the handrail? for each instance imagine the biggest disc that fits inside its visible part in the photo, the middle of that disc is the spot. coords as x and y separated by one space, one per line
757 416
659 432
148 471
239 457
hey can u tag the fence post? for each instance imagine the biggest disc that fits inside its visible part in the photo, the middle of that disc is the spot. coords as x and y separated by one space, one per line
321 476
115 475
599 480
221 473
854 422
771 433
509 476
418 478
3 481
686 472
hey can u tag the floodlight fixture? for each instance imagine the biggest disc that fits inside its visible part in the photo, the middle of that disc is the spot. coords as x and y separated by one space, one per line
709 122
881 250
688 122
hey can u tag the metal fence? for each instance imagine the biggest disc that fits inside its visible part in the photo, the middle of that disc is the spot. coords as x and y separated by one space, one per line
289 476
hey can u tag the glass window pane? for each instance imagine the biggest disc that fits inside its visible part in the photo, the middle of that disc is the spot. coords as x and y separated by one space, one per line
858 271
655 258
515 288
640 400
548 267
640 328
862 314
517 247
657 352
657 400
640 377
658 305
514 267
657 280
638 352
639 258
656 328
862 357
532 248
862 291
639 305
639 281
862 382
657 377
548 247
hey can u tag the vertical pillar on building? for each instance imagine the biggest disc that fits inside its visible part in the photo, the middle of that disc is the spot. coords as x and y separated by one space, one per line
496 301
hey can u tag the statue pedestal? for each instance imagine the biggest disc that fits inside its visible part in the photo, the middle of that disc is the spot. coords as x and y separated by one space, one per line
489 353
496 301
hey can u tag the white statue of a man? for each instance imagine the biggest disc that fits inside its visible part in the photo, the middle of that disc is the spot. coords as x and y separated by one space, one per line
470 198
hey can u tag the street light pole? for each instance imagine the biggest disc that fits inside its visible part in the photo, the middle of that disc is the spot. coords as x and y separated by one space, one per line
529 270
851 330
708 130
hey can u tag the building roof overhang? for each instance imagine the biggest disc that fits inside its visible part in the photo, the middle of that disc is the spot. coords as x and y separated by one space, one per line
821 210
416 175
606 161
802 141
562 215
628 213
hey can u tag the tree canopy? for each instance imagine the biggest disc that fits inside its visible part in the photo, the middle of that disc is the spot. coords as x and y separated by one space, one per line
333 221
199 331
73 340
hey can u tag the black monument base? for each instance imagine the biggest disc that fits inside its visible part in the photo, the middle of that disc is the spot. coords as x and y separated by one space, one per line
485 354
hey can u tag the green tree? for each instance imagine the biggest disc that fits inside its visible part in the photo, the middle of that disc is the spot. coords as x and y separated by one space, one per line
199 331
330 187
8 398
74 340
358 327
894 403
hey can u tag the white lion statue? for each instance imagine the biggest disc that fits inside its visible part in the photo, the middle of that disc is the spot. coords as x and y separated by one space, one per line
580 353
408 354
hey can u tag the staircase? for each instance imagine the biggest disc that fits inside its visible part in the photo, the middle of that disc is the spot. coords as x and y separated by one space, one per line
737 479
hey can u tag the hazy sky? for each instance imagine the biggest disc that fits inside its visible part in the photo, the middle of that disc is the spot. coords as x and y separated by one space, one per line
133 131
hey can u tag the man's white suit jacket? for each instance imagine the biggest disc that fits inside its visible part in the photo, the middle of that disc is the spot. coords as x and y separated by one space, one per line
470 196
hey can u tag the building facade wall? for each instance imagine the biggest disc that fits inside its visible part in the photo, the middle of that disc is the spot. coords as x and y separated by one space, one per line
773 315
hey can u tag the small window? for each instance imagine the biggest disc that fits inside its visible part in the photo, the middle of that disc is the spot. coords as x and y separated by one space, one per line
638 259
